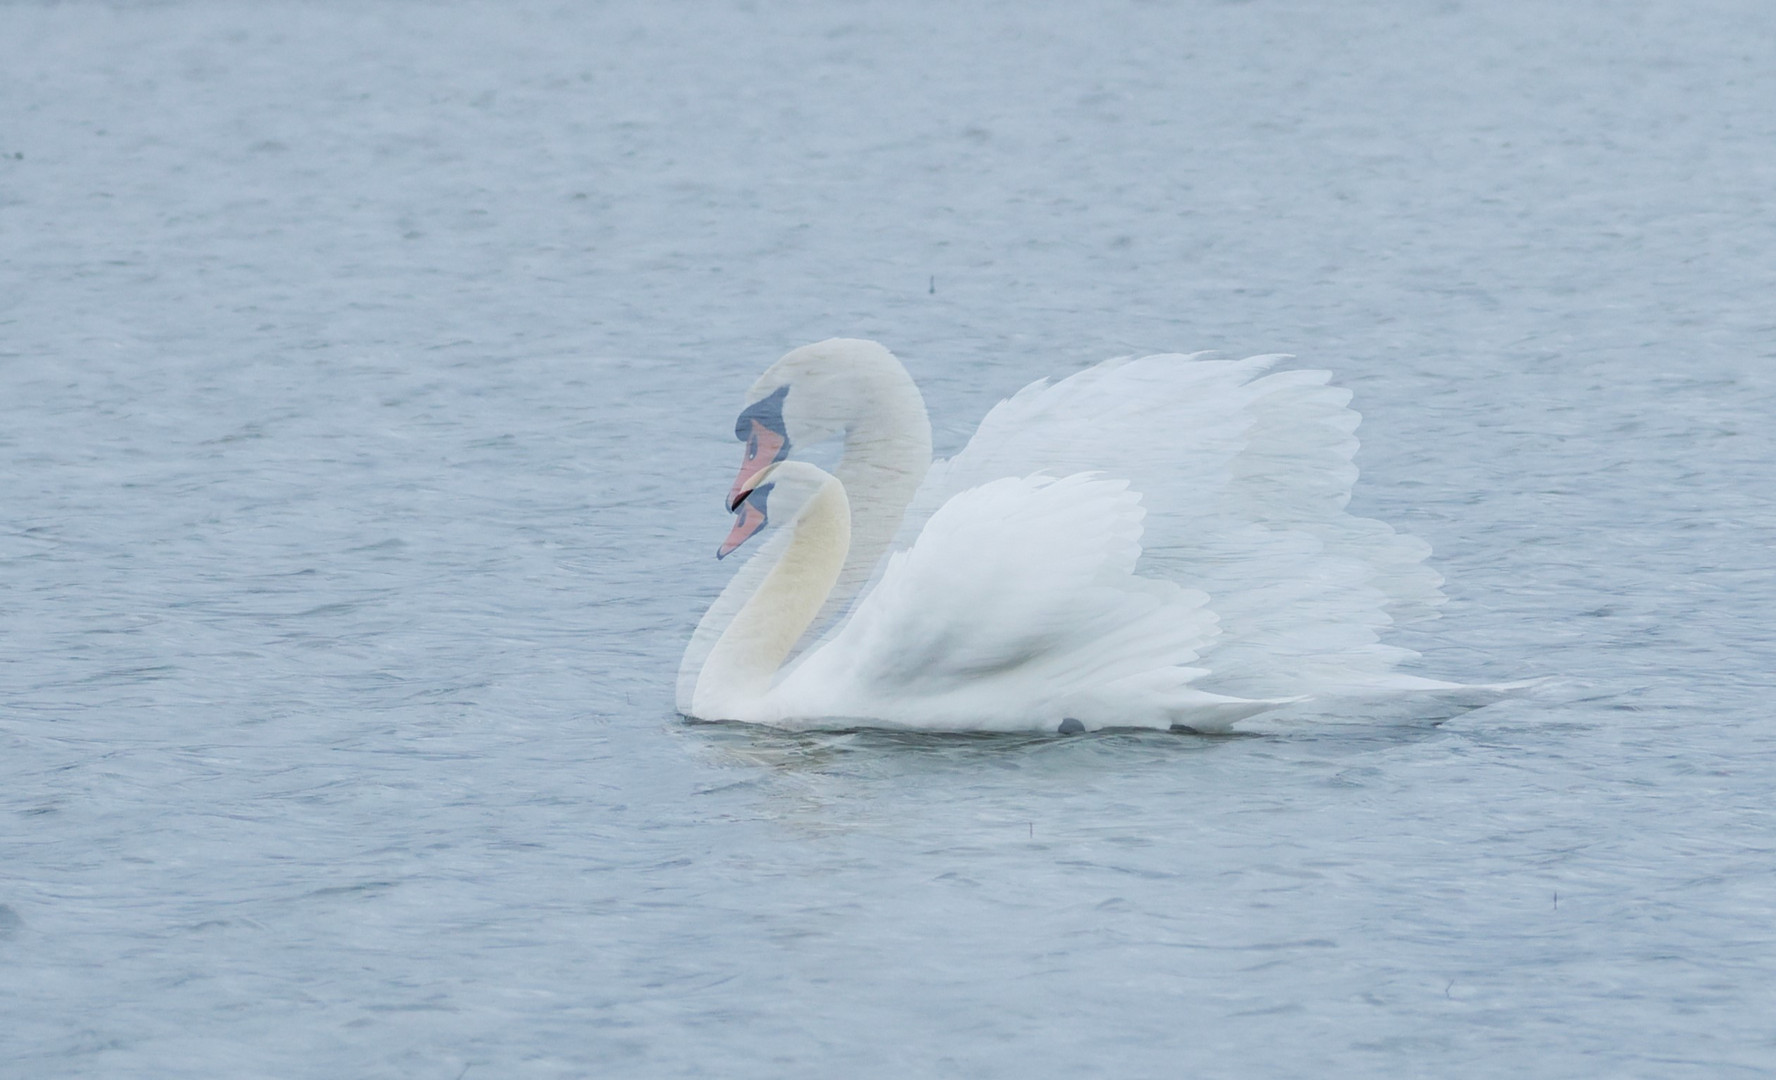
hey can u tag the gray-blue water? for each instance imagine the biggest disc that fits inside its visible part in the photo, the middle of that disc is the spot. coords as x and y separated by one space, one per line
367 374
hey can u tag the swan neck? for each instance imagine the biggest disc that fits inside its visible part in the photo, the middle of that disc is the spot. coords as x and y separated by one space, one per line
739 670
886 456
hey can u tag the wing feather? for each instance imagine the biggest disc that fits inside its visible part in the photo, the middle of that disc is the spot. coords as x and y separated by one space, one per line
1246 477
1016 601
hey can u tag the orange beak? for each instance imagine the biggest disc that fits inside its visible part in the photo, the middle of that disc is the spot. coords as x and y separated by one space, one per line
763 446
750 520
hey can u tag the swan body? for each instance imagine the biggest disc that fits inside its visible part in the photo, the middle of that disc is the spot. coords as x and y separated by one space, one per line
1154 542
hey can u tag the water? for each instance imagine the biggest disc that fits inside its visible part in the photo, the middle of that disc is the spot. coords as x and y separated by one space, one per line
366 375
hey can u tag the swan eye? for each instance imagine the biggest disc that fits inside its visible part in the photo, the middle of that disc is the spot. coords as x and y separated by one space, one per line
764 444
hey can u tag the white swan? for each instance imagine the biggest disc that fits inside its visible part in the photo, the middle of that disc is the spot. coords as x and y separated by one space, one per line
1020 594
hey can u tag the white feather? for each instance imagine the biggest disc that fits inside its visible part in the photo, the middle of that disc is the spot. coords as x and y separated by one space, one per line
1245 477
1162 541
1017 607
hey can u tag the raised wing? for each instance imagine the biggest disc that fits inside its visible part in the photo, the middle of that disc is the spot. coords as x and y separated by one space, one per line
1017 600
1245 477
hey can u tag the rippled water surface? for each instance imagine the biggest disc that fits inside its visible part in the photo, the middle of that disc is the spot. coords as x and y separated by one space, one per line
367 374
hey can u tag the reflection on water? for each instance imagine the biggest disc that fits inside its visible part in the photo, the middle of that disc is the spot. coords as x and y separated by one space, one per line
800 750
869 755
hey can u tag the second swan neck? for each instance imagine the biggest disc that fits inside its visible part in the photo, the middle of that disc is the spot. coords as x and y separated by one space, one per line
740 668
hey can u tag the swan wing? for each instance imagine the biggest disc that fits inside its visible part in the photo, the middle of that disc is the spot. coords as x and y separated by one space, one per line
1015 608
1245 476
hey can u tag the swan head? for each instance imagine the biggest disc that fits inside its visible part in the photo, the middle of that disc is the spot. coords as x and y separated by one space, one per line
794 482
814 393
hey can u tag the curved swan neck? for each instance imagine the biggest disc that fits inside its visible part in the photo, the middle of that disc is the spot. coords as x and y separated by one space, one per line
856 390
889 439
886 456
740 667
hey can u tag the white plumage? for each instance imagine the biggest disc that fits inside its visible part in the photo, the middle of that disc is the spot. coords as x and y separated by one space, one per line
1152 542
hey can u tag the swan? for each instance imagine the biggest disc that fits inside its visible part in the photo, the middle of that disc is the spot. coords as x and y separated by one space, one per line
1158 542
